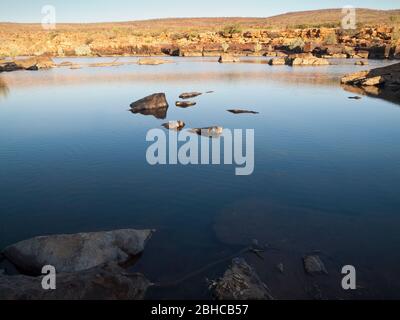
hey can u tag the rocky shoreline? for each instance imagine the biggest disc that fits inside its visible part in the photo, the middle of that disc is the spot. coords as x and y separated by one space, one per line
367 42
92 266
380 82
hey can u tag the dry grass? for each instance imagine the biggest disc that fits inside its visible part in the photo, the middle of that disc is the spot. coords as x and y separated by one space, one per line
305 19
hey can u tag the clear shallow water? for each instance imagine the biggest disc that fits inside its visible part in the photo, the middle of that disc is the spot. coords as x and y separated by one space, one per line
327 170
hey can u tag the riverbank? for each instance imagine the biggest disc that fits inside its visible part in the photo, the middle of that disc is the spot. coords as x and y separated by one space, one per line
381 82
377 37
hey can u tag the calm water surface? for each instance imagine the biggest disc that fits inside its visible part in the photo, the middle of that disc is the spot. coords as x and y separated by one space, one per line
327 171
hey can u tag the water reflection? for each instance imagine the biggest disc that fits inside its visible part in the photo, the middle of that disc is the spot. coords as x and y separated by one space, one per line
160 113
389 94
4 90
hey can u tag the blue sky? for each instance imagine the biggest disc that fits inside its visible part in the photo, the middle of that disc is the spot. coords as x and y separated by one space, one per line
125 10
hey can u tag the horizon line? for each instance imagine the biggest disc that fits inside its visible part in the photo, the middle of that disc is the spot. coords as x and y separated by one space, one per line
183 18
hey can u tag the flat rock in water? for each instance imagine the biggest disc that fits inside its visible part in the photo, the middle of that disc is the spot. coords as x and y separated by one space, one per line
277 61
77 252
212 132
101 283
240 111
185 104
151 62
355 98
154 101
313 265
189 95
227 58
240 282
174 125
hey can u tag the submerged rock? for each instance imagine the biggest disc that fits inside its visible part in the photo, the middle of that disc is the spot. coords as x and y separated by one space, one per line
226 58
154 101
174 125
185 104
108 282
240 111
361 63
77 252
355 98
240 282
313 265
65 64
151 62
189 95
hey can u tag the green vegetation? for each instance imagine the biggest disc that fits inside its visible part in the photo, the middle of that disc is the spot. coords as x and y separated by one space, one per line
297 43
395 23
177 36
232 29
331 39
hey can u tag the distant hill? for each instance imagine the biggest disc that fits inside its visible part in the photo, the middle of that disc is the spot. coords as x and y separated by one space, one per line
315 18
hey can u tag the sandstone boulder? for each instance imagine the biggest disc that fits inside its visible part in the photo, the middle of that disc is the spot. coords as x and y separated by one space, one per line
189 95
374 81
277 62
154 101
307 61
240 282
313 265
185 104
174 125
227 58
355 78
76 252
108 282
34 63
212 132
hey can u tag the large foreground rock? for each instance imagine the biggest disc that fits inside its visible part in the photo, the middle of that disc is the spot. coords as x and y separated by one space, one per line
100 283
240 282
77 252
382 82
154 101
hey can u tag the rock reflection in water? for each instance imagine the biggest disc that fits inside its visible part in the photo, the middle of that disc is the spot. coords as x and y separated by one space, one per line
4 90
160 113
